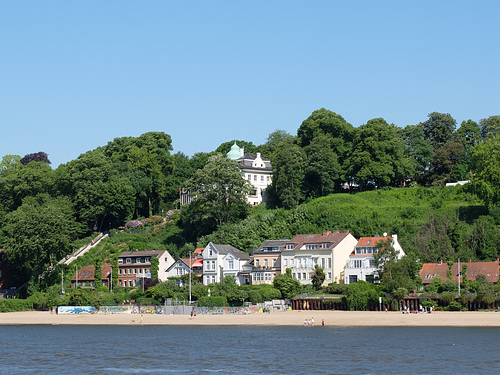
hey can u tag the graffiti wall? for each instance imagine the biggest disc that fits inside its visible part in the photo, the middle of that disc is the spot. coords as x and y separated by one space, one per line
76 310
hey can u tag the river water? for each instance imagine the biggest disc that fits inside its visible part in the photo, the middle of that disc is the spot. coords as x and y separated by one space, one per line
247 350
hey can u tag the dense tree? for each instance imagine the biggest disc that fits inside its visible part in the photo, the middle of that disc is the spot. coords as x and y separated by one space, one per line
469 134
490 127
37 156
418 152
485 166
273 142
439 128
288 174
39 233
378 157
323 171
10 164
339 131
286 284
219 196
445 160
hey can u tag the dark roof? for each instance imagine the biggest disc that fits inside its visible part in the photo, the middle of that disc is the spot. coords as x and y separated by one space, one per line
332 238
128 254
247 162
226 249
431 270
271 243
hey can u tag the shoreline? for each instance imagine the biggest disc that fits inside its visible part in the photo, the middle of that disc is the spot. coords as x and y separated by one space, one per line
286 318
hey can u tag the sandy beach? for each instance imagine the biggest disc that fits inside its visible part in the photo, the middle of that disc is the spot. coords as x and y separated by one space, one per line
288 318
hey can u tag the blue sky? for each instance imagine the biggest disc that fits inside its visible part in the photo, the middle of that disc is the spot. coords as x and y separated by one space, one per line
74 75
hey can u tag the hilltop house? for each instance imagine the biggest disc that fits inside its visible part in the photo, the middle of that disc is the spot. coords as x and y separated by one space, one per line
135 266
256 169
85 277
489 269
220 261
329 250
361 263
267 261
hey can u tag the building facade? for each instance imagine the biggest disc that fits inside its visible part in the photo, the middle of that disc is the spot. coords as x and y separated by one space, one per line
267 261
256 170
361 264
329 250
135 266
220 261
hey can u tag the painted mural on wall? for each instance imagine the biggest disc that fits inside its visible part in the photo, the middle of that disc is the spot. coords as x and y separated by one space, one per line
76 310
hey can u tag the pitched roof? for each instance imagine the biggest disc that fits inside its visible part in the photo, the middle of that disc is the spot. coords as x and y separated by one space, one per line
332 238
142 253
371 241
226 249
247 162
273 244
489 269
87 273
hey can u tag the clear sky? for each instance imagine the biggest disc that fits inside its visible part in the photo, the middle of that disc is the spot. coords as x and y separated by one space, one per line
74 75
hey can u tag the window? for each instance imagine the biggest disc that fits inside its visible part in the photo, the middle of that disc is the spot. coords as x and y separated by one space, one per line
129 260
289 246
285 262
325 245
130 271
294 276
291 262
372 263
119 272
330 263
298 276
120 260
265 263
304 276
268 178
323 262
357 263
311 246
353 279
256 263
329 276
274 262
230 264
255 177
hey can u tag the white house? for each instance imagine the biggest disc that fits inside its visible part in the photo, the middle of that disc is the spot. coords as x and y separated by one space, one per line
220 261
329 250
361 264
256 169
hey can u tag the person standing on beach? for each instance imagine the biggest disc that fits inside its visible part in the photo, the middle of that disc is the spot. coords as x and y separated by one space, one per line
142 318
323 322
312 321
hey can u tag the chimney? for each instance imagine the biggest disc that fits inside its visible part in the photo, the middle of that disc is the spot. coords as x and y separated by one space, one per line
470 260
498 259
327 232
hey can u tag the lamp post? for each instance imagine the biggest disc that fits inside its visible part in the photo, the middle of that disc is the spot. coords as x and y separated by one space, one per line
190 269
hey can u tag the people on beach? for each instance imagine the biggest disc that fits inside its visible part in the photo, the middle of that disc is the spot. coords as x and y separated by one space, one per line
323 322
312 321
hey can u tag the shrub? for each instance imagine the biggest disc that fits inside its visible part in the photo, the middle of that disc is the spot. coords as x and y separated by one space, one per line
454 306
215 301
133 224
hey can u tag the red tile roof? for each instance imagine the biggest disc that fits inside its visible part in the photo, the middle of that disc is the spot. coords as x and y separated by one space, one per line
87 273
489 269
371 241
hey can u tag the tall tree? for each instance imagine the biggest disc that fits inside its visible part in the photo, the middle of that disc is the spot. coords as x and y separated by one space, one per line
324 122
485 165
378 157
219 195
37 156
490 127
439 128
446 158
323 170
39 233
288 174
469 133
418 151
10 164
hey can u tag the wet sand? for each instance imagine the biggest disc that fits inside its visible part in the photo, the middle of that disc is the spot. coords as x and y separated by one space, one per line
288 318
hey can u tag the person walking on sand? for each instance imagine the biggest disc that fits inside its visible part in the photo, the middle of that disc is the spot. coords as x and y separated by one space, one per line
142 318
305 322
312 321
323 322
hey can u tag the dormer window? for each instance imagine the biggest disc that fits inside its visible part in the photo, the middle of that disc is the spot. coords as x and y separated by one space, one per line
289 246
311 246
325 245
